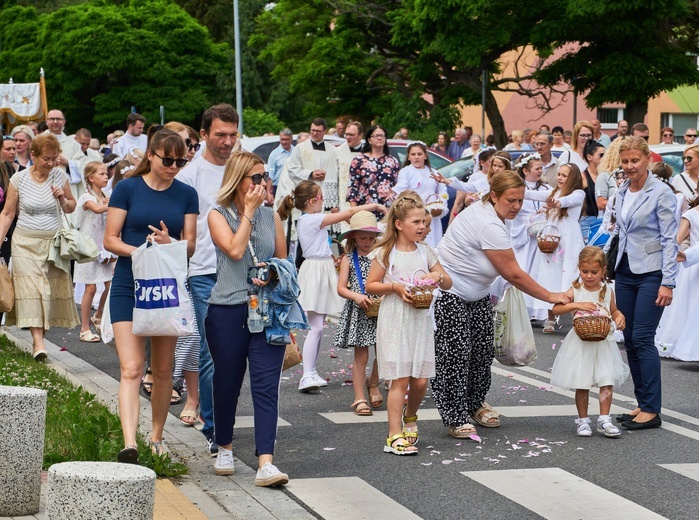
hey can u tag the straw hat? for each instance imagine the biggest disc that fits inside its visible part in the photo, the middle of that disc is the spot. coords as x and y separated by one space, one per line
361 221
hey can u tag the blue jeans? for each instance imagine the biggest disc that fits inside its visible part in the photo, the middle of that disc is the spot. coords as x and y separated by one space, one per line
635 298
201 286
233 348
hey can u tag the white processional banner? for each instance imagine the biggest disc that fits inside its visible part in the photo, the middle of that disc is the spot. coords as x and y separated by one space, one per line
22 100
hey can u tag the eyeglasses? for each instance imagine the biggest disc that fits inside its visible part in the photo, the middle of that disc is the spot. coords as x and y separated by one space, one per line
258 178
687 158
693 136
668 135
585 136
539 145
378 136
55 119
169 161
191 146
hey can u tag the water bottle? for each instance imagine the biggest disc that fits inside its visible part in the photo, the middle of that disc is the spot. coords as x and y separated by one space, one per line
254 312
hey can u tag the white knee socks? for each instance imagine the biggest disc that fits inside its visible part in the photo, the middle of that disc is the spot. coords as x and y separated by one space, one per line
311 347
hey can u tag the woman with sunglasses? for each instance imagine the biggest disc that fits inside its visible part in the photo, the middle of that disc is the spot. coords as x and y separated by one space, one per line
243 230
686 181
149 204
192 143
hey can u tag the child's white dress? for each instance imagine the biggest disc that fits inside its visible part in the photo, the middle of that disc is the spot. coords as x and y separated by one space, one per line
405 335
584 364
676 336
92 224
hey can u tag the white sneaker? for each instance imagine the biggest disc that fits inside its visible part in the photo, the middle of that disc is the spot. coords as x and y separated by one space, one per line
320 380
584 429
224 462
605 426
269 475
308 384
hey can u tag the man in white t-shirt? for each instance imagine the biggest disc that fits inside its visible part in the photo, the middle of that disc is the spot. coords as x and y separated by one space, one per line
219 129
134 136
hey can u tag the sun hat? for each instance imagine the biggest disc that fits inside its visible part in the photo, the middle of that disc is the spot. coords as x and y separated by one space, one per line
361 221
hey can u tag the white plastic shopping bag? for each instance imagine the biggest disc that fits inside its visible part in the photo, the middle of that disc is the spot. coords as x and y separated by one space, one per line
106 330
514 339
162 305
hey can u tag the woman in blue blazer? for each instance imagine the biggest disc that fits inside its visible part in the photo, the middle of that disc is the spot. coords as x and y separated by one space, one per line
646 269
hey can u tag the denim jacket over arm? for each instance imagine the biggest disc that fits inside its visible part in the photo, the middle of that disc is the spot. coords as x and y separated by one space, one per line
280 308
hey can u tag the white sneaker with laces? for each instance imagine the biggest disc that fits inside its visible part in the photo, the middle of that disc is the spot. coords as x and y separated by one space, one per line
605 426
584 429
224 464
308 384
269 475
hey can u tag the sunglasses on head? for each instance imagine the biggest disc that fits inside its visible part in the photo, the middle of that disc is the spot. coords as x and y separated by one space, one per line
191 146
169 161
258 178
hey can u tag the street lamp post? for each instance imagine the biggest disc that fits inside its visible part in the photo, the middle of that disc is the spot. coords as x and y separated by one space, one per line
238 79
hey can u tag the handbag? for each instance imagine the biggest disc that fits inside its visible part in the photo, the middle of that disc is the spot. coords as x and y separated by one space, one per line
7 290
70 244
292 355
611 254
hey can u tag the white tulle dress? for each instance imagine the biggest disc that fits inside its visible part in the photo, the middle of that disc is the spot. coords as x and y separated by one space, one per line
676 336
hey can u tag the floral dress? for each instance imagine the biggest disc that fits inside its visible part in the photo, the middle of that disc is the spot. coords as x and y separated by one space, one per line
355 328
371 179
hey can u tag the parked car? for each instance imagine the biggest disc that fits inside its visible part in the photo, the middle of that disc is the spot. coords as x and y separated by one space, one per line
671 154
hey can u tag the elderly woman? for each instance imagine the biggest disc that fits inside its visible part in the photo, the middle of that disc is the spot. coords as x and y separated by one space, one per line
43 292
150 203
646 269
582 133
240 228
517 140
374 172
475 147
475 250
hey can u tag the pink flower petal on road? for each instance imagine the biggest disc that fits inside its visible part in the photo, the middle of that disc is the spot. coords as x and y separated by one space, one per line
474 437
445 462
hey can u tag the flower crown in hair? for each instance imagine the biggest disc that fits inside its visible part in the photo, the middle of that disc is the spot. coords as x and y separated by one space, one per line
524 160
113 162
411 143
128 168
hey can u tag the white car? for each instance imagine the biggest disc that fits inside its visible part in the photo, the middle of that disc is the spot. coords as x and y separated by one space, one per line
671 154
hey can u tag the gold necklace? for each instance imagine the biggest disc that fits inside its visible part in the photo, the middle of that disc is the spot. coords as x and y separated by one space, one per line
36 179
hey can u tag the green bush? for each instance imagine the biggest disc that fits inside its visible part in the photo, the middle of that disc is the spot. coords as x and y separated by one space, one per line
78 427
258 122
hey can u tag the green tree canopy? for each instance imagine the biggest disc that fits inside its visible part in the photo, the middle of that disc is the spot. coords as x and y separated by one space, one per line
101 59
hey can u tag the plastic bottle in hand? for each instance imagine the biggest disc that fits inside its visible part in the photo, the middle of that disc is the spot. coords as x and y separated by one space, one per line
254 312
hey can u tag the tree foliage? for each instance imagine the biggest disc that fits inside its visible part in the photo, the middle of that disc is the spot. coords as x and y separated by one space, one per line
102 58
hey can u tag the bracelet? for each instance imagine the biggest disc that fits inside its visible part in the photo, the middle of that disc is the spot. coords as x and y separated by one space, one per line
392 284
65 203
251 222
441 279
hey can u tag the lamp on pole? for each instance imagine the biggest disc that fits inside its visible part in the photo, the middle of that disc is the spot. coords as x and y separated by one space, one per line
238 79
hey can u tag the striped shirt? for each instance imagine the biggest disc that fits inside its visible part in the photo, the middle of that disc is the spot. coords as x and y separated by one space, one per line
231 286
37 205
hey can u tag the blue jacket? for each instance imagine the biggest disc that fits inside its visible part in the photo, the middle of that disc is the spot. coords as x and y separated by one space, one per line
280 308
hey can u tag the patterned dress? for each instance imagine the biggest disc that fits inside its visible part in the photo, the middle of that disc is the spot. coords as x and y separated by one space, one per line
355 328
371 179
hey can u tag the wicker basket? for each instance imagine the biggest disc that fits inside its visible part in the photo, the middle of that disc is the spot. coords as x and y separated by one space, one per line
434 202
592 328
373 310
548 238
422 294
535 223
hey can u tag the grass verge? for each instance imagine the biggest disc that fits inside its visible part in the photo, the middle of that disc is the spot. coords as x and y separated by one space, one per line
78 426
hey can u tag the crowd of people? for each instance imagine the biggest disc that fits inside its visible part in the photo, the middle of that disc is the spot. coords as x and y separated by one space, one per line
606 201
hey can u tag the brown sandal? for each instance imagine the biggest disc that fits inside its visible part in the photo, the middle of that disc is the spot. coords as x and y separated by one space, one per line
361 407
376 400
487 416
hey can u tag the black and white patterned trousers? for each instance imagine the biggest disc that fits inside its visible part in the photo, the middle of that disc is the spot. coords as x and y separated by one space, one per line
464 352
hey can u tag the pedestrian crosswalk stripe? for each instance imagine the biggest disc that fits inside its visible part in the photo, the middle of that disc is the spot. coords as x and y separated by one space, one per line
347 498
248 421
688 470
555 494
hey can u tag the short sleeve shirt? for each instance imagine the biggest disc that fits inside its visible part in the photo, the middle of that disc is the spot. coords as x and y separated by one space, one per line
313 237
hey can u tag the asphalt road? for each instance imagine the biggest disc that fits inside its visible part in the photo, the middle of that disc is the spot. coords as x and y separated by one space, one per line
516 471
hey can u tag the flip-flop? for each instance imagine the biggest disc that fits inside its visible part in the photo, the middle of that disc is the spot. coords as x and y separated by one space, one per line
89 337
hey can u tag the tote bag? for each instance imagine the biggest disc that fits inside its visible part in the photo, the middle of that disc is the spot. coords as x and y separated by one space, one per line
162 305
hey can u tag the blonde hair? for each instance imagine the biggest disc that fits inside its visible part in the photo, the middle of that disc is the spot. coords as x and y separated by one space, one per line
298 198
517 133
176 127
237 166
501 182
634 143
612 158
404 203
91 169
588 255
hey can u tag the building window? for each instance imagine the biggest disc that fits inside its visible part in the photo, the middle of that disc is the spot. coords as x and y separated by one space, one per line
609 117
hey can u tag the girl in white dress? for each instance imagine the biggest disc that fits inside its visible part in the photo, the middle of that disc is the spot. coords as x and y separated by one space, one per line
580 365
92 216
676 335
404 334
317 275
559 269
416 175
530 168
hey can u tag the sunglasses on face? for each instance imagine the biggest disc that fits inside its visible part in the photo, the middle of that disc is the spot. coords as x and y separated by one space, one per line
687 158
169 161
317 198
693 136
258 178
668 135
191 146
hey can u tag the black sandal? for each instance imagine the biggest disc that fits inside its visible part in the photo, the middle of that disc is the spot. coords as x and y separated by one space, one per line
147 385
175 399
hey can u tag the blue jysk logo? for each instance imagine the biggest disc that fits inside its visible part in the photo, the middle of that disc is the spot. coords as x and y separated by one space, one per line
159 293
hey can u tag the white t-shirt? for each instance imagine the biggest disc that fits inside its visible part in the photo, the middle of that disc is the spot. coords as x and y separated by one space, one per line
128 142
461 251
629 199
313 238
206 178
